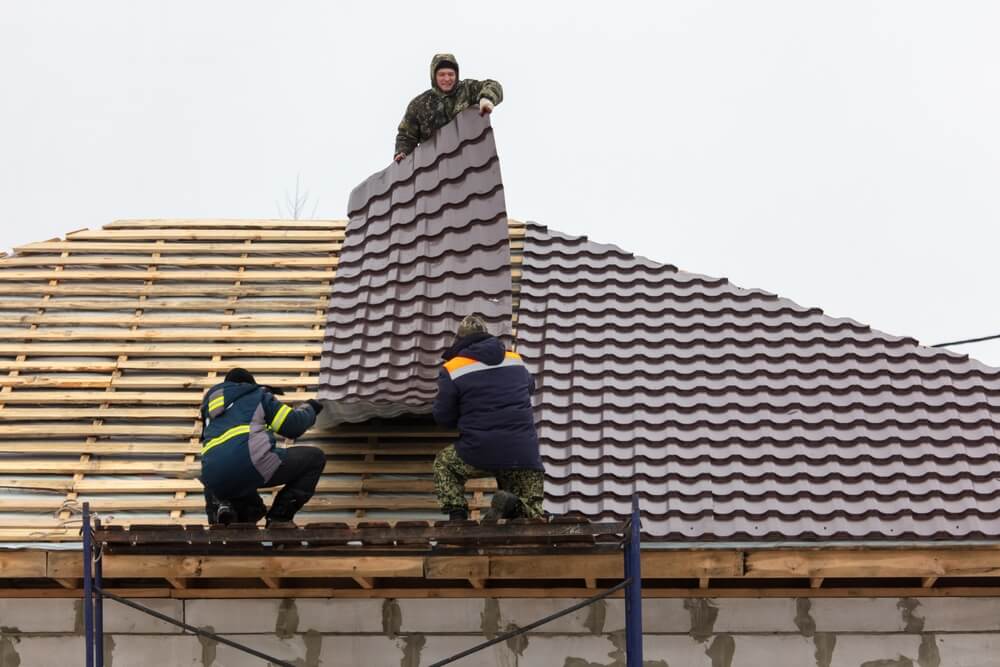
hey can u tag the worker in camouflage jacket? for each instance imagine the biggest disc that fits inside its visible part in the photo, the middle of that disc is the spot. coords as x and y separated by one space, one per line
436 107
239 454
485 392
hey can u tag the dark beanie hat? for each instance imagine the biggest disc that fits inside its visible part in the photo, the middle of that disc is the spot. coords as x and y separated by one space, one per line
240 375
446 63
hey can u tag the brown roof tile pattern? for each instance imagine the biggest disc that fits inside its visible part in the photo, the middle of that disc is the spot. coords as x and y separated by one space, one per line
426 245
736 414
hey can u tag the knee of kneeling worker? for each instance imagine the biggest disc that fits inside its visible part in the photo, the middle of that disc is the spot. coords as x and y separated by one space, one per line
447 457
317 459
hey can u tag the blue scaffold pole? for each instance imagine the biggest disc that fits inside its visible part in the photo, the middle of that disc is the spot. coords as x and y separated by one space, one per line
88 588
633 593
98 604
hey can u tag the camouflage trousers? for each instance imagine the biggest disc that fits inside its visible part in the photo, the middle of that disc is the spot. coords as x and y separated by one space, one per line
451 472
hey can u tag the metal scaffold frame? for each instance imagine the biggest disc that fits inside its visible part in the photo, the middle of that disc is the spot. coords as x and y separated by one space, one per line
94 594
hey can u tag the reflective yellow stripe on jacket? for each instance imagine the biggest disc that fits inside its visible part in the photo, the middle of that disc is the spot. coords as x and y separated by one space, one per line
279 418
228 435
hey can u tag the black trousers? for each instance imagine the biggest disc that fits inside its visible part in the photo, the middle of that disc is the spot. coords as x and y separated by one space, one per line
299 472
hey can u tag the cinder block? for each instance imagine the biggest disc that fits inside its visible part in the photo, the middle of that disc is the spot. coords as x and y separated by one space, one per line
738 615
289 650
240 616
121 619
677 651
522 611
852 650
461 615
42 615
348 651
969 650
175 650
659 615
959 614
856 615
60 650
440 647
662 615
614 614
548 651
773 650
334 615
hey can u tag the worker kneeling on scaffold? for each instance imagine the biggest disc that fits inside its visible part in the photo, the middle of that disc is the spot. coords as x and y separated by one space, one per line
239 453
485 392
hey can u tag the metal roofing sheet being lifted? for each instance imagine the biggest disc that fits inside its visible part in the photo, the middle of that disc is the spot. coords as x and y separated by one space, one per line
735 414
426 245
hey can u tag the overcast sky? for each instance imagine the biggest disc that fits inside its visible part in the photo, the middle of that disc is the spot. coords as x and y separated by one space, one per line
843 154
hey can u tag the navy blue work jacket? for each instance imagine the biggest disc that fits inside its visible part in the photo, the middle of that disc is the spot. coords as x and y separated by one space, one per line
238 449
485 392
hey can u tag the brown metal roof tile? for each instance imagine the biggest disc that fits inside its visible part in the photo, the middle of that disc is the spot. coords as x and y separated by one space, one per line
737 414
427 244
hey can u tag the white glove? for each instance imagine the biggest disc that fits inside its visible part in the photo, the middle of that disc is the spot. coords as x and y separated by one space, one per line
485 106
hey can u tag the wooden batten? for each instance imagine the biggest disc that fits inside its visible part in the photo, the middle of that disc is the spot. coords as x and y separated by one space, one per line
25 564
874 563
677 573
245 592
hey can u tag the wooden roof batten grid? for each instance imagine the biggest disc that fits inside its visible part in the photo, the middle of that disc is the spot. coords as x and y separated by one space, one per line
121 364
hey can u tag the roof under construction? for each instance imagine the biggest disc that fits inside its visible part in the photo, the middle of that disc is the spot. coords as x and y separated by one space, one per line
732 414
111 337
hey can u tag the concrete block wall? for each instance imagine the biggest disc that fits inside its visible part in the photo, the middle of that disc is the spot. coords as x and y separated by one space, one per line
722 632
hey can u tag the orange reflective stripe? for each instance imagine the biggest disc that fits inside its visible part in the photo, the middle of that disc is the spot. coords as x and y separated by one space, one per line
458 362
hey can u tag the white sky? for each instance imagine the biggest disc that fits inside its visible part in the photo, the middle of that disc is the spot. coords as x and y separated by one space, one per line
843 154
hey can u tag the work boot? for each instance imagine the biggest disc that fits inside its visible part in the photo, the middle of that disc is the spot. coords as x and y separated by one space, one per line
225 514
505 505
255 513
458 515
283 511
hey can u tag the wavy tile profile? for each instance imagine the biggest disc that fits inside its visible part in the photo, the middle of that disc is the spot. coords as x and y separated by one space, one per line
427 244
735 414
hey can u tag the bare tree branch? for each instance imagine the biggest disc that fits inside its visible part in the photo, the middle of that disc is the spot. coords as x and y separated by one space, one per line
295 205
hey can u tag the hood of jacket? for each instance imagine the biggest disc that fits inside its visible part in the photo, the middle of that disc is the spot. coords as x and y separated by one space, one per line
233 392
435 61
479 346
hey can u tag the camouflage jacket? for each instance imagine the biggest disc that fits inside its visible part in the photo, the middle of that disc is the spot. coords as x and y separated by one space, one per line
434 109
